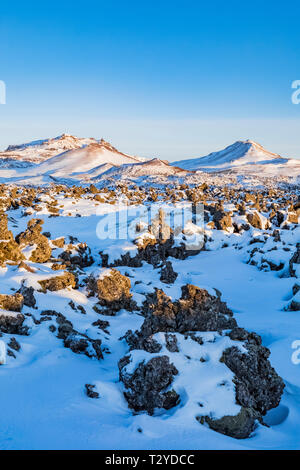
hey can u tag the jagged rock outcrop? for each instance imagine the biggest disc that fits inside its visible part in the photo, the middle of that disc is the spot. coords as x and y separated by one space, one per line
81 259
196 310
12 324
28 296
258 388
33 237
148 387
154 252
222 220
167 273
9 249
112 290
295 259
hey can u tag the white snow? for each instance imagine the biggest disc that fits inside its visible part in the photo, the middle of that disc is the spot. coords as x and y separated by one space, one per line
54 411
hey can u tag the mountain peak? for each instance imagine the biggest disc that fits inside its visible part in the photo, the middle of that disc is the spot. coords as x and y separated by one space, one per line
240 153
39 150
247 142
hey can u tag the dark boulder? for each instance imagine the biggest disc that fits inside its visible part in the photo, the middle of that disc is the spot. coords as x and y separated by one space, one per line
147 387
295 259
257 384
112 290
13 324
167 274
28 295
239 426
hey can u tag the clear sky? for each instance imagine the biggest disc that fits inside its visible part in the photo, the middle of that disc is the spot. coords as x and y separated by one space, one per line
173 79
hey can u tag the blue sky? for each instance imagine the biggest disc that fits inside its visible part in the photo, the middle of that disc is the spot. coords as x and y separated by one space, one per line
170 79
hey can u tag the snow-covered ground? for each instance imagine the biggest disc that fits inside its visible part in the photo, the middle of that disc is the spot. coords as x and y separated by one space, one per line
43 388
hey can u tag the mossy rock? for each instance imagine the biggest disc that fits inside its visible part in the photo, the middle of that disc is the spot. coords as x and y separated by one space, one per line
13 303
10 251
58 282
239 426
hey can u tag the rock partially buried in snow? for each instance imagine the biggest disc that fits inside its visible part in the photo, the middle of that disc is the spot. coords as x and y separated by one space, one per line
256 387
12 323
155 243
148 387
27 268
9 249
59 242
90 391
224 376
79 343
28 296
33 237
81 258
257 221
58 282
222 220
294 264
111 288
167 274
13 302
196 310
239 426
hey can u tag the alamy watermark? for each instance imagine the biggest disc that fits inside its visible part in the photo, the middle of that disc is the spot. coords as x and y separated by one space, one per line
2 92
2 353
296 93
181 223
296 353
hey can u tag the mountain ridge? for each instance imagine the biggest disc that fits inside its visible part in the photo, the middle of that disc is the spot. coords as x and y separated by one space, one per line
237 154
67 157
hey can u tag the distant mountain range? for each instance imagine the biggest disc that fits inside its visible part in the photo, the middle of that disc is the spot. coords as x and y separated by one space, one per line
70 158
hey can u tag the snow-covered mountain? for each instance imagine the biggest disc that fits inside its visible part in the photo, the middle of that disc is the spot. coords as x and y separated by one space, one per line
154 167
84 159
72 160
40 150
241 156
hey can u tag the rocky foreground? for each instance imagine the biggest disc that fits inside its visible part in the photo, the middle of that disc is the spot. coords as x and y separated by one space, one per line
170 349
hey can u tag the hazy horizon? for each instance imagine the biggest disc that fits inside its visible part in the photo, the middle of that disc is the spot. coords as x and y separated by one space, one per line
197 139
